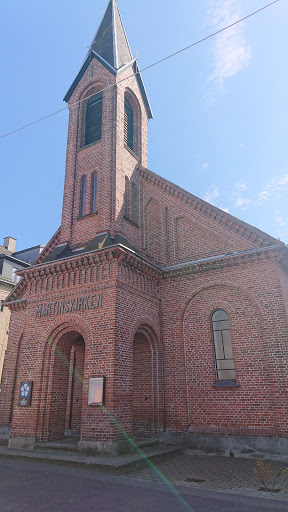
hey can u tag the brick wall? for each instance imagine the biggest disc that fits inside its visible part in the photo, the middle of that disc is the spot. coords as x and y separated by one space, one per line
251 296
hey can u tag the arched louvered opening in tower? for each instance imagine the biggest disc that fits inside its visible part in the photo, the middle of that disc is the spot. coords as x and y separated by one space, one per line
128 125
93 121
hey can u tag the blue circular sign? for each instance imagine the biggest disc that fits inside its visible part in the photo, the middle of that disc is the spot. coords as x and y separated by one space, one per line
25 390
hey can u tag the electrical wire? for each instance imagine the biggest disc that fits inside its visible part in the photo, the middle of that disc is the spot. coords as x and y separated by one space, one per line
142 70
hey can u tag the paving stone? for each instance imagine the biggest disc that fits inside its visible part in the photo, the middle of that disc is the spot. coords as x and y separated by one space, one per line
218 472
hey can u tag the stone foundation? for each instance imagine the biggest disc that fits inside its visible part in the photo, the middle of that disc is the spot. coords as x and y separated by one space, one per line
5 432
105 448
21 443
228 444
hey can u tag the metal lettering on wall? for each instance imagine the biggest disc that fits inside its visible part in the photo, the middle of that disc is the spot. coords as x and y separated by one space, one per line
58 307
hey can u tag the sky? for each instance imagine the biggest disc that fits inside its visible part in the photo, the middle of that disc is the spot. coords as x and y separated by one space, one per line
220 108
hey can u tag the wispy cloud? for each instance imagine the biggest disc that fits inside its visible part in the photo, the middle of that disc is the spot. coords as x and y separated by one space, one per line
281 226
238 194
212 194
275 188
242 198
241 187
279 220
243 203
231 51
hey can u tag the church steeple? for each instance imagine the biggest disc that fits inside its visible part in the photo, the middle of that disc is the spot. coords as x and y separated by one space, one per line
111 48
107 140
110 41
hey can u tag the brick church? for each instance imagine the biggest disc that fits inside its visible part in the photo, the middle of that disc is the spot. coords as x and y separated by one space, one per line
150 313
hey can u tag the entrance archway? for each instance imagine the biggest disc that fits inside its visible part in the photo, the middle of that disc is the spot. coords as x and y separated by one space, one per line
64 399
146 387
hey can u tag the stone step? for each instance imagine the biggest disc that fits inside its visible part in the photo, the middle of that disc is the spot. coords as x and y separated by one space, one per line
142 443
115 465
69 445
153 454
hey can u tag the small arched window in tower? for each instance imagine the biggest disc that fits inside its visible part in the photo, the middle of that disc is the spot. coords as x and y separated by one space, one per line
134 202
94 193
224 361
126 197
93 127
128 125
82 196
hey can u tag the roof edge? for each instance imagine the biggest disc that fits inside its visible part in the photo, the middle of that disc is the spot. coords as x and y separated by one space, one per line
92 55
142 90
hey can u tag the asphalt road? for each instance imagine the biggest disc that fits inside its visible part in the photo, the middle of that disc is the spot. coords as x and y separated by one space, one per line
31 487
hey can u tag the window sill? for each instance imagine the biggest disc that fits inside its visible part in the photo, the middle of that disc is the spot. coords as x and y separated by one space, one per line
85 216
132 152
225 384
89 145
131 221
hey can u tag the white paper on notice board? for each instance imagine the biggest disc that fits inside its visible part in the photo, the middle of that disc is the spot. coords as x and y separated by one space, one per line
95 393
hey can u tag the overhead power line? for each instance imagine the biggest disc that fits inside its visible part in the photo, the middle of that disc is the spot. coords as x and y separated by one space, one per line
144 69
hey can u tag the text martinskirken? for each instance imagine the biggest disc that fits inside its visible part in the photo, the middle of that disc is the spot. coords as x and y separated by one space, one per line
58 307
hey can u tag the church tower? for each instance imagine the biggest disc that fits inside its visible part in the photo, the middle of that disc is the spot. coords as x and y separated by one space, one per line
107 140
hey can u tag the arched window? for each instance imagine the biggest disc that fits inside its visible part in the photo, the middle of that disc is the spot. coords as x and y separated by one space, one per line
134 202
126 197
128 125
82 196
94 193
222 346
93 128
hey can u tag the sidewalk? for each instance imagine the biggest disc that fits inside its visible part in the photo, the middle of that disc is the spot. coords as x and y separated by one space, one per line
233 475
212 472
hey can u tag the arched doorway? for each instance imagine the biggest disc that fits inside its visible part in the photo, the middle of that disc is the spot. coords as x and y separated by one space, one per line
65 387
146 387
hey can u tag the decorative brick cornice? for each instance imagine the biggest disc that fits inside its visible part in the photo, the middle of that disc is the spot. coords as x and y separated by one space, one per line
127 258
254 235
224 261
16 305
87 260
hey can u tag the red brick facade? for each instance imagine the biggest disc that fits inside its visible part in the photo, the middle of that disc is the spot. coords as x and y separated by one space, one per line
137 309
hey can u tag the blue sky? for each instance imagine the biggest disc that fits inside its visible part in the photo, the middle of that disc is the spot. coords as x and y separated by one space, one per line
220 109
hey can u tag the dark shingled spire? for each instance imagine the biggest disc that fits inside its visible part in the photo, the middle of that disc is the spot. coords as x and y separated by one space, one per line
110 47
110 41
